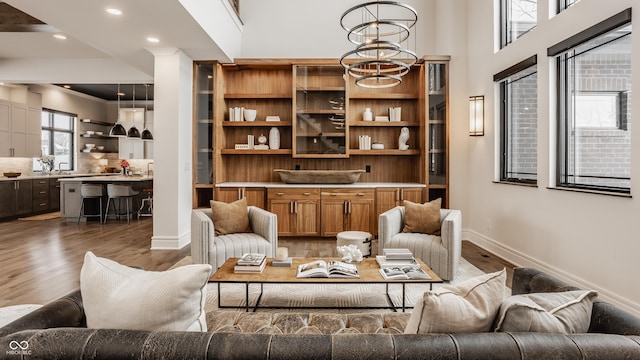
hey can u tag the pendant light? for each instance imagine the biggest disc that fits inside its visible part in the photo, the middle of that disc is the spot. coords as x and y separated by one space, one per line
117 129
133 131
146 133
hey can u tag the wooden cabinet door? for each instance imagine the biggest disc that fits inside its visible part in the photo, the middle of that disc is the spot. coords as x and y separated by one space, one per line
411 194
360 215
24 198
254 196
7 198
5 129
386 198
54 194
19 131
283 210
333 216
307 215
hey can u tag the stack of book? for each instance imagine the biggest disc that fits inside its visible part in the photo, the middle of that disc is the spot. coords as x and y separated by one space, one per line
396 257
251 263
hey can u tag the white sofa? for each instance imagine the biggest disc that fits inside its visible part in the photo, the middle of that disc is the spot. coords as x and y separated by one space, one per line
441 253
207 248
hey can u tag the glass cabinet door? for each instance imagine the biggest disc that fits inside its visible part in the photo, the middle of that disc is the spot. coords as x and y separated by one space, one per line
319 112
203 127
437 124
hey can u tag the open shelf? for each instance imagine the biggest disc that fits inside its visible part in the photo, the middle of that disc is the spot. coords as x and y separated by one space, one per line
384 123
256 123
255 152
385 152
91 121
382 96
257 96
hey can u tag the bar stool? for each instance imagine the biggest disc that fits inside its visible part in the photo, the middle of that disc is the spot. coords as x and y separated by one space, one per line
118 193
90 191
148 202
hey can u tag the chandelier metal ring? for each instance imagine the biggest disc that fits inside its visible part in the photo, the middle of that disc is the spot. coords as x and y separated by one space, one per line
389 67
411 19
378 81
378 30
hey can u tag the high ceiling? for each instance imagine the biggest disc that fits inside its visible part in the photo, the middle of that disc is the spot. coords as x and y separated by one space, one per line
100 49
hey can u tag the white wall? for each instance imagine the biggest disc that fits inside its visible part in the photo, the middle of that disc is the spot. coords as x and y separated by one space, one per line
311 29
587 239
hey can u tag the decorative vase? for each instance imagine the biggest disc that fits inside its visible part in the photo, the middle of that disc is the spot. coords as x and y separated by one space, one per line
124 171
367 115
274 138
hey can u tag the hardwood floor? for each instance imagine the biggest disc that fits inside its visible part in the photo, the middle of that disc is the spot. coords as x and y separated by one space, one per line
41 260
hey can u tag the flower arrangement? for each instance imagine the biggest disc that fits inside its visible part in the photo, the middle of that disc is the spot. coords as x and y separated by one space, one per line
124 163
47 162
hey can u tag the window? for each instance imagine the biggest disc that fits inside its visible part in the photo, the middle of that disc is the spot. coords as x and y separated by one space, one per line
519 122
57 138
516 18
564 4
594 114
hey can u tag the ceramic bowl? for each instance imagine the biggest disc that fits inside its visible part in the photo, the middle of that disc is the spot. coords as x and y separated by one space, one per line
100 147
89 146
250 114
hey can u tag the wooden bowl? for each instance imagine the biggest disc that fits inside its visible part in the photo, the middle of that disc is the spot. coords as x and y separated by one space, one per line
12 174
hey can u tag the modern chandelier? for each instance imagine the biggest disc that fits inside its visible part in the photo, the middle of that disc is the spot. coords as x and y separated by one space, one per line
379 29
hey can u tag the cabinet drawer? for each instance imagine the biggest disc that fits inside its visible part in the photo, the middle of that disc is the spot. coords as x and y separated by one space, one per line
293 193
348 194
40 192
40 205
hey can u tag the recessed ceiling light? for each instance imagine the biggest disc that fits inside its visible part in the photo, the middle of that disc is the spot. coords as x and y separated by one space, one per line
113 11
60 36
153 40
67 86
120 94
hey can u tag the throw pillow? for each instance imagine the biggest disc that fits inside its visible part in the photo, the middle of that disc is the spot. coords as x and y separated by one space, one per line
230 218
470 306
115 296
566 312
422 218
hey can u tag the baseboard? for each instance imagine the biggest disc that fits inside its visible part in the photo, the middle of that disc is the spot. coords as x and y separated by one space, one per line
170 242
523 260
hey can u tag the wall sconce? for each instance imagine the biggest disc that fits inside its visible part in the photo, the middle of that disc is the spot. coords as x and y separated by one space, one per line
476 116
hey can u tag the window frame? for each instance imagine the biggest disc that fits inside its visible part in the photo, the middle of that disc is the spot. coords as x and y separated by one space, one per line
51 129
501 78
505 39
561 51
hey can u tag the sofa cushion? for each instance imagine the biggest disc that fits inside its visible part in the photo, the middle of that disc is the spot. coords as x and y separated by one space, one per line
469 306
120 297
566 312
422 218
229 218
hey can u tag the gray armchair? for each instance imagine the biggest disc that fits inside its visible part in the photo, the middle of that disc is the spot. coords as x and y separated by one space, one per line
441 253
207 248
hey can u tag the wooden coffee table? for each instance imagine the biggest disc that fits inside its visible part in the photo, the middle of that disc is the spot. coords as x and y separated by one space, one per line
369 274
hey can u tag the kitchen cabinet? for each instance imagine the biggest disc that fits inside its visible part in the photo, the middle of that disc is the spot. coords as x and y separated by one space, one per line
254 196
54 194
297 209
347 209
40 195
70 192
20 131
15 197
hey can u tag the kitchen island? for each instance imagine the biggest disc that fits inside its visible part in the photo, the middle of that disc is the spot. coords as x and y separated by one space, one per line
70 197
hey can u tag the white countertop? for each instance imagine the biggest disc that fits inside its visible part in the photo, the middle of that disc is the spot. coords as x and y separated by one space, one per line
323 186
109 178
53 175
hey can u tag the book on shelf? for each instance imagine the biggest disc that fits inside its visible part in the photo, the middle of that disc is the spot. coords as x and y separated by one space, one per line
408 272
399 253
383 262
331 269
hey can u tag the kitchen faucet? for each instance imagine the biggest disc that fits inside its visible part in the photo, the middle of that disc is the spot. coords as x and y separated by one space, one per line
60 166
148 166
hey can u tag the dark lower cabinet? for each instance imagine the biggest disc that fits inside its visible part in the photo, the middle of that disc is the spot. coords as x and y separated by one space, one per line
15 197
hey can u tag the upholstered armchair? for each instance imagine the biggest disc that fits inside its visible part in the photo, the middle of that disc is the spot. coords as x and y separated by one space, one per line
207 248
441 253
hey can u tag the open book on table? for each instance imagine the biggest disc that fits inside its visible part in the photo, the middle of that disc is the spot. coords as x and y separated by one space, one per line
409 272
331 269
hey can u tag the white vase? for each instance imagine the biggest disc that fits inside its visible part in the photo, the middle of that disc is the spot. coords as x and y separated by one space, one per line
367 115
274 138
